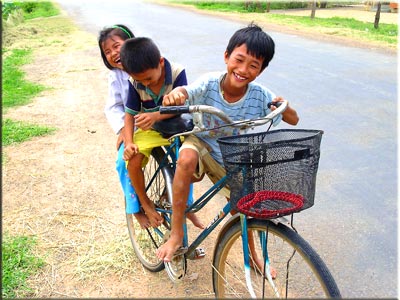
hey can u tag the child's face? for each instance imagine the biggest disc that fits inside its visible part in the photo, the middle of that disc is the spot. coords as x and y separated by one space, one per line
111 48
151 77
242 67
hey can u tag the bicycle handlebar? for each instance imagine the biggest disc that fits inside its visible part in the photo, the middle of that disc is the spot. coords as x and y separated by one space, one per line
198 110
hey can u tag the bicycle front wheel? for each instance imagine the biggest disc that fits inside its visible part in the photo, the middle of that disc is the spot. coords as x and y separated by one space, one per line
300 272
146 241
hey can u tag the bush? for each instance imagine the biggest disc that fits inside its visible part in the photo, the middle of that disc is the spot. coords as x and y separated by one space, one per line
29 10
8 8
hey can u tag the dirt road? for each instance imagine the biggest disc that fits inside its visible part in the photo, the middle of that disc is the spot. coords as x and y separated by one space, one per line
63 188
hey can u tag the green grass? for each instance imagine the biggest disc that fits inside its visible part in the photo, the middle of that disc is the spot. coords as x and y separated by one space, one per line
30 9
385 32
336 25
16 90
38 9
18 263
18 131
240 6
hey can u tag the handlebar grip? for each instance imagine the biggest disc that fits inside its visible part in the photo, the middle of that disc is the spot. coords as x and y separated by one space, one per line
175 110
276 104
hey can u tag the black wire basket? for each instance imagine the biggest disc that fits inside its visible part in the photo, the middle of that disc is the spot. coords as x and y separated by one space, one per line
271 174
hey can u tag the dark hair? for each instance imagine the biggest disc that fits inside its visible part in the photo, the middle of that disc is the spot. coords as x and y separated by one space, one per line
258 43
119 30
139 55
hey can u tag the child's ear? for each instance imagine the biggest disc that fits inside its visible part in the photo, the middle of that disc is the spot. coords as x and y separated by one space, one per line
162 61
226 56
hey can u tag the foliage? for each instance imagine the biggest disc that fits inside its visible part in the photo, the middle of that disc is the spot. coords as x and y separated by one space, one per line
18 131
17 91
18 263
31 9
335 26
385 32
8 8
246 6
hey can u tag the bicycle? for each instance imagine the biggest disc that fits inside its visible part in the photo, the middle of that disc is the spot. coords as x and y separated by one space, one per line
263 207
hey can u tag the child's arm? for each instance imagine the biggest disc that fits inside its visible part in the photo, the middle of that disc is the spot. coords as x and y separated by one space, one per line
145 121
289 115
130 148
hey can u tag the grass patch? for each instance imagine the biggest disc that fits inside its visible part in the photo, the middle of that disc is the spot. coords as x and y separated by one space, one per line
30 9
99 258
243 7
386 32
18 263
339 26
18 131
17 91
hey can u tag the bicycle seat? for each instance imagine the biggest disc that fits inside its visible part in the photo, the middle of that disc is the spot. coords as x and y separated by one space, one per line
174 125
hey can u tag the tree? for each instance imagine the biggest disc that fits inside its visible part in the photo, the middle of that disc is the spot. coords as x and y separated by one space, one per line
313 7
377 15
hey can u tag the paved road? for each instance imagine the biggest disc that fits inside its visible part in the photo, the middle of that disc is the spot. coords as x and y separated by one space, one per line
350 93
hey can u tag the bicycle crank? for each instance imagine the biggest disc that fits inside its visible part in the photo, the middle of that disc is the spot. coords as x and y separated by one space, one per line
176 268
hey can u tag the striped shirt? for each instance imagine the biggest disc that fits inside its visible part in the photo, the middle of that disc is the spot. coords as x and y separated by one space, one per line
207 91
141 99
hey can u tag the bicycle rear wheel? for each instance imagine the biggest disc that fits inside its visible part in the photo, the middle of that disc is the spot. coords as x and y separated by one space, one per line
146 241
300 271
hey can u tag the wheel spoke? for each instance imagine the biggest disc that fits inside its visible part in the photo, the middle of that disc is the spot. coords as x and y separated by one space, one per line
299 274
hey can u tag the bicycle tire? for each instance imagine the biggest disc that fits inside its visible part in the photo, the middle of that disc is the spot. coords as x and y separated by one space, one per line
146 241
301 273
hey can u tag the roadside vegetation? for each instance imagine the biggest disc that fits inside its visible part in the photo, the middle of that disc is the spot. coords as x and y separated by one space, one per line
269 11
18 263
16 90
19 260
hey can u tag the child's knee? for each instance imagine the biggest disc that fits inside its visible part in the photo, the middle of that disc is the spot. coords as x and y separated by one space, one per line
187 162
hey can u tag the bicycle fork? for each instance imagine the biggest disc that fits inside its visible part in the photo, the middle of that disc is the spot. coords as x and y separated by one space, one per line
246 257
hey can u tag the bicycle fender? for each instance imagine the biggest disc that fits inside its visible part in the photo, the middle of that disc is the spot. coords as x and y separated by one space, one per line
231 222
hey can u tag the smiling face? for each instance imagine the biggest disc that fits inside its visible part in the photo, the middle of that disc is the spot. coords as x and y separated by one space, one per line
242 67
111 49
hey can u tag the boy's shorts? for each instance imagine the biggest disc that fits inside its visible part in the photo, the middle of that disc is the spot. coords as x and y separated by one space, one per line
146 140
206 164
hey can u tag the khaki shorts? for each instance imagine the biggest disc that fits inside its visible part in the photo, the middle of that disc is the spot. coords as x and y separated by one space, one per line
206 164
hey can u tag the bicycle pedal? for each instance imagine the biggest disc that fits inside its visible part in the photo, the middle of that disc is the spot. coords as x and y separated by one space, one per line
198 253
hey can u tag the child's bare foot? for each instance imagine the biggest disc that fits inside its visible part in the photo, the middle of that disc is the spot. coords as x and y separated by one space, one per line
259 267
154 217
167 250
195 220
142 219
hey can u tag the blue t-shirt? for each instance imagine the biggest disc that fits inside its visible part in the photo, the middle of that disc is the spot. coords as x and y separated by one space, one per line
207 91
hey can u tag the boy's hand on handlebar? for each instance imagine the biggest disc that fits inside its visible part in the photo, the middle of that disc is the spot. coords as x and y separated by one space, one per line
130 150
276 102
174 98
289 115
